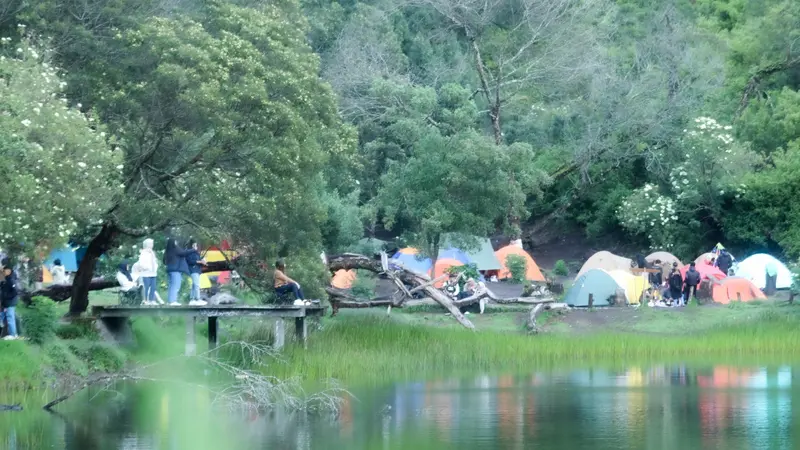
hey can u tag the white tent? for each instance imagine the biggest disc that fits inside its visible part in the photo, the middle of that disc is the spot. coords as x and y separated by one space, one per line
754 268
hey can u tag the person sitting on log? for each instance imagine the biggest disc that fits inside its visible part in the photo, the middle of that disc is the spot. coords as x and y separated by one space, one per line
284 285
59 273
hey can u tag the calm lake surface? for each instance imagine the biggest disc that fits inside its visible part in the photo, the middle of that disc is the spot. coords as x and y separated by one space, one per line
656 407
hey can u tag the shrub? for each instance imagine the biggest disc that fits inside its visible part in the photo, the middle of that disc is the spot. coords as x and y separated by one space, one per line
77 329
98 355
41 320
63 360
560 268
518 267
364 285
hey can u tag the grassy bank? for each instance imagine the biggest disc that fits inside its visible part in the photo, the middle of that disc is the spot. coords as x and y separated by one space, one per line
367 348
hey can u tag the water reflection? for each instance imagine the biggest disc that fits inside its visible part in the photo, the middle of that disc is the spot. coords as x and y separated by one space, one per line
656 407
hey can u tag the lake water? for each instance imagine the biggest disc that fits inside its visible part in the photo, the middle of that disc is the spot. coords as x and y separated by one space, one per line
656 407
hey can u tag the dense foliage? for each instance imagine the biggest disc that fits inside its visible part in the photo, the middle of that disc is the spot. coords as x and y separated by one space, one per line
288 127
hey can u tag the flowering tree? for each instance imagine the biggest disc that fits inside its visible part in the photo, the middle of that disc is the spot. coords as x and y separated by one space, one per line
59 172
707 167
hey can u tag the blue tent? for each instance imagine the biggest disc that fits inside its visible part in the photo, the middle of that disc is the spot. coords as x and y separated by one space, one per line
70 257
596 282
454 253
412 261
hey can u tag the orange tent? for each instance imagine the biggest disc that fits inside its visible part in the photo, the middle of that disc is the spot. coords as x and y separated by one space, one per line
47 277
533 273
733 288
442 265
343 279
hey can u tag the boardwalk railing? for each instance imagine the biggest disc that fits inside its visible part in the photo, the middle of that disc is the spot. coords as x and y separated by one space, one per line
114 319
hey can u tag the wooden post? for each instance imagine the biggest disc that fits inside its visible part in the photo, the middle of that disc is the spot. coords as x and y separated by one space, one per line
212 333
280 334
191 344
301 330
591 300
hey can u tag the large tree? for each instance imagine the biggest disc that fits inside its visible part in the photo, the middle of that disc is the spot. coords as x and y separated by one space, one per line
224 124
60 170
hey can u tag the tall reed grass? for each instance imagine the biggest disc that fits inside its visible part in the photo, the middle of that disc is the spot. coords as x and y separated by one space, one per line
370 349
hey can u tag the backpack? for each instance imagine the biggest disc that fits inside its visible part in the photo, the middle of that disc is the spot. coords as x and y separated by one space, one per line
692 278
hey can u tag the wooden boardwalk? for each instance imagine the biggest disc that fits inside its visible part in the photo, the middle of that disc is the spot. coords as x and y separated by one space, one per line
114 319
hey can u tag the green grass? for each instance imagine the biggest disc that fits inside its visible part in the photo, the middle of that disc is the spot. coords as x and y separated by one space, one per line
371 349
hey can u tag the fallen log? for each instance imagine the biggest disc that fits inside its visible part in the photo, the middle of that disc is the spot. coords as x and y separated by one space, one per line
62 292
349 261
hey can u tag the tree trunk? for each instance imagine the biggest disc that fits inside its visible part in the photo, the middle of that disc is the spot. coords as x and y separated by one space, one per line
83 278
494 105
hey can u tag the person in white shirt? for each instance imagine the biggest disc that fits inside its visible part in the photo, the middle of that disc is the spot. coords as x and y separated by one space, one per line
127 282
59 273
147 268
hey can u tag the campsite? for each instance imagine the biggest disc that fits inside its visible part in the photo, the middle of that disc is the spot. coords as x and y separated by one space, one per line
399 224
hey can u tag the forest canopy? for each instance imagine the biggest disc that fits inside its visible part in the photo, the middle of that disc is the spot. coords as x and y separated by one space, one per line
301 126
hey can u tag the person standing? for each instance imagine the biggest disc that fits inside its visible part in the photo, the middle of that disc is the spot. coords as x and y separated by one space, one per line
690 283
177 267
59 273
675 282
724 261
195 263
147 270
8 300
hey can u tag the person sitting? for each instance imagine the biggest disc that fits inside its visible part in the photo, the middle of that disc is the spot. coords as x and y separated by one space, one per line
284 285
472 287
126 281
59 273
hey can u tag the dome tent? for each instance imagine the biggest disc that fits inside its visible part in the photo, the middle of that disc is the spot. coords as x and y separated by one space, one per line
634 285
754 268
664 257
736 289
606 261
597 282
532 271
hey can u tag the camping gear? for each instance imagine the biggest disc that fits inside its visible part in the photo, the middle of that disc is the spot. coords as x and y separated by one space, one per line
442 266
634 285
706 272
532 272
597 282
733 289
484 257
411 259
343 279
70 258
703 260
664 257
214 254
606 261
754 268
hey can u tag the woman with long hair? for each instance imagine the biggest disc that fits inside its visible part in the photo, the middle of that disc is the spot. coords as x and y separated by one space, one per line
195 262
175 260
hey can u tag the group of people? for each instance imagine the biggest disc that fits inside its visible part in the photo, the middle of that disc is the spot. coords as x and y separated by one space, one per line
459 288
674 289
179 262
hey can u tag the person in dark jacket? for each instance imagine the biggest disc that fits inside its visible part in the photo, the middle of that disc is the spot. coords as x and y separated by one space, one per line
675 282
724 261
177 267
691 282
195 263
8 301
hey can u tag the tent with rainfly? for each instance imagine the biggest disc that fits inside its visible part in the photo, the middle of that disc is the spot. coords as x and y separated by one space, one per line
411 259
606 261
736 289
597 282
70 257
755 267
634 285
343 279
532 272
483 256
216 254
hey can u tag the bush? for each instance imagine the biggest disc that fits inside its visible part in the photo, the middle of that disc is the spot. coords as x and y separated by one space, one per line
41 320
518 267
77 329
63 360
98 355
560 268
364 285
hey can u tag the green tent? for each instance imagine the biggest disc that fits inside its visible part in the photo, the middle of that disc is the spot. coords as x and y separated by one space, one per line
483 256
